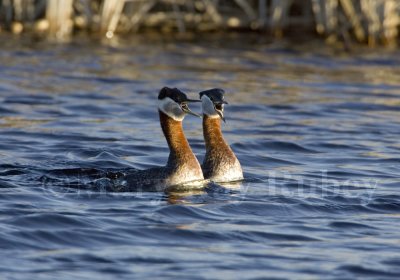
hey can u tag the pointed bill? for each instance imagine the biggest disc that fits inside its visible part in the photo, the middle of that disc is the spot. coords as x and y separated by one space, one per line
185 108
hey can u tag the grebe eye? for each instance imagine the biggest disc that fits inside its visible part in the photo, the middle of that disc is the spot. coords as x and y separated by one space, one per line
184 106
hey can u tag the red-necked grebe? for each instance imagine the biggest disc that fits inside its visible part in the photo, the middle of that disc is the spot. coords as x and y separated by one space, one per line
220 163
182 166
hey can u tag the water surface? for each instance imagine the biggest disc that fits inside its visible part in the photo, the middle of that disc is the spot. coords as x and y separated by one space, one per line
316 131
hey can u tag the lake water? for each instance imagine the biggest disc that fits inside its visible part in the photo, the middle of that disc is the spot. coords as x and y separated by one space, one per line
316 130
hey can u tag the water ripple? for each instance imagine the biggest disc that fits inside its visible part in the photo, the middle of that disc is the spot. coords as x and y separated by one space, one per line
316 134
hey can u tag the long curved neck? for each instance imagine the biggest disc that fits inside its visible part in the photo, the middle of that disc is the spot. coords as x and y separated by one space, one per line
213 138
180 152
220 163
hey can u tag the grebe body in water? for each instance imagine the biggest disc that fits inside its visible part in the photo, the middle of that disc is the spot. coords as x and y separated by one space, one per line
182 166
220 162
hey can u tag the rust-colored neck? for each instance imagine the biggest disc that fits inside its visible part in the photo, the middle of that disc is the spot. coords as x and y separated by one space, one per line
180 151
220 163
213 135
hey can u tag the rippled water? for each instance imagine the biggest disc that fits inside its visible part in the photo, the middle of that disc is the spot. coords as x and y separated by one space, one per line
316 130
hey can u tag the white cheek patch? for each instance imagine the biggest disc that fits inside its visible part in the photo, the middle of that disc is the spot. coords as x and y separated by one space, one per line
171 109
208 107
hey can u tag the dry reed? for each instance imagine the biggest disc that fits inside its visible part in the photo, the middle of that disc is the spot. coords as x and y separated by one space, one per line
367 21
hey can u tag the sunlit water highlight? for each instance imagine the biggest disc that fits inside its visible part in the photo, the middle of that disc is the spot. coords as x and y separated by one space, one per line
316 132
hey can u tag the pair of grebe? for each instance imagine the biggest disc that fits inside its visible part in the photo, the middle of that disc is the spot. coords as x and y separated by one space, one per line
220 163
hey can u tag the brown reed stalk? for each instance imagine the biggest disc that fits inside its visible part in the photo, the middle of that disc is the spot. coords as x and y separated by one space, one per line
370 21
59 17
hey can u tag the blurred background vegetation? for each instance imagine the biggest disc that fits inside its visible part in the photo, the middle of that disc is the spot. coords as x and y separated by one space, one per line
372 22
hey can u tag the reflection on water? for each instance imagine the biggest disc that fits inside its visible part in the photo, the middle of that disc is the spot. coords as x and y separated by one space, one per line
316 131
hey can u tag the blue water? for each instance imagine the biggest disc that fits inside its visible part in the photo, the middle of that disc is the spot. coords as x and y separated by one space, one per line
316 130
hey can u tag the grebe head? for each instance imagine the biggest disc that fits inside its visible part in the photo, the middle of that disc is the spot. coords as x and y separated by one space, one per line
213 103
174 103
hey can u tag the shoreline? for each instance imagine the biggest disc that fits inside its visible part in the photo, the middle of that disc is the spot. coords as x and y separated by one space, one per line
335 21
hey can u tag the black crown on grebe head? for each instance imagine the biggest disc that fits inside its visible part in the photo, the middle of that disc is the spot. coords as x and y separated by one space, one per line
174 103
213 102
216 95
175 94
